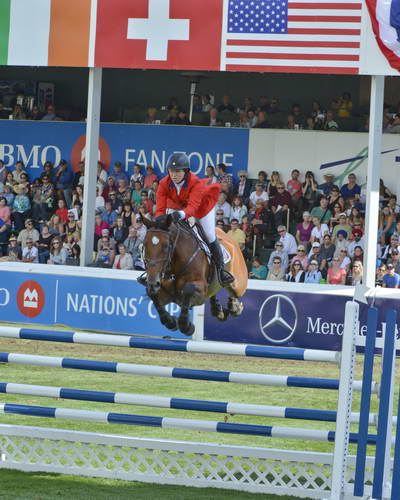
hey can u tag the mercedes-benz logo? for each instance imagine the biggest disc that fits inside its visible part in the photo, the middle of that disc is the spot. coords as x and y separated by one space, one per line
284 323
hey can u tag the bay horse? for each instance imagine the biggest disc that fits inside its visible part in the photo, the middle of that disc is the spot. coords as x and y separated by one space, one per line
179 271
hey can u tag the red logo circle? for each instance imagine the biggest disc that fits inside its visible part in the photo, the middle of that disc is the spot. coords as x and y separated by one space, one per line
78 152
30 299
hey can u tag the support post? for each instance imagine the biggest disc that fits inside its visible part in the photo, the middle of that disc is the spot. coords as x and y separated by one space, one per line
345 397
91 158
373 176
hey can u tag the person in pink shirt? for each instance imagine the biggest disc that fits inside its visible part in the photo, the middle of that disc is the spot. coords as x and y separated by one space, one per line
100 224
150 177
5 211
336 274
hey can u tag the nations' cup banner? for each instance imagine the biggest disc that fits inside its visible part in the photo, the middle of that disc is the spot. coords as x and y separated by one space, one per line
34 143
307 320
102 304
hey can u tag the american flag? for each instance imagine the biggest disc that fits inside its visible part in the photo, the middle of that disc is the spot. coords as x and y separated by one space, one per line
292 36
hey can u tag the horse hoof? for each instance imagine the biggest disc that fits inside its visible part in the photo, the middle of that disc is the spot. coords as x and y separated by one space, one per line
172 324
235 308
188 330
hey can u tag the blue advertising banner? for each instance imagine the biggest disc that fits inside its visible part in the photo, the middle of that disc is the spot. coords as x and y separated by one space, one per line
82 303
34 143
291 319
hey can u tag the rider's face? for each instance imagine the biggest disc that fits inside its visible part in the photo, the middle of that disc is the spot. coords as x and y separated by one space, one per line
177 175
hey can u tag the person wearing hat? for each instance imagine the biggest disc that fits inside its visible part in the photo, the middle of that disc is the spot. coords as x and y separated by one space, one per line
342 226
28 233
13 250
314 253
328 184
391 279
357 241
182 194
21 206
341 242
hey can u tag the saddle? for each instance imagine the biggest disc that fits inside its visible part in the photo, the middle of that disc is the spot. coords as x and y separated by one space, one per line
194 228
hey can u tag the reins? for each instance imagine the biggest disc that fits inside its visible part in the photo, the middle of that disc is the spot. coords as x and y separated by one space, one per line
166 269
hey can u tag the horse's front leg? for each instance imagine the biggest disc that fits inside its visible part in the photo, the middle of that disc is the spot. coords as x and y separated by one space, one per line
166 319
191 294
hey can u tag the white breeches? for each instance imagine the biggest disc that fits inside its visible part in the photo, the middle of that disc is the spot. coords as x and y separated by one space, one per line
208 224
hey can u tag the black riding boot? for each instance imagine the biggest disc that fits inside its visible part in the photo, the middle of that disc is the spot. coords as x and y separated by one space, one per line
224 277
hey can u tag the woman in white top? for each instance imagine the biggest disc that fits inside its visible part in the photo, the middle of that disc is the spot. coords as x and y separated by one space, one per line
344 260
319 230
239 210
124 259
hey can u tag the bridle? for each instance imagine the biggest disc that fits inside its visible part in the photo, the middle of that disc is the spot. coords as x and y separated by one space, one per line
166 269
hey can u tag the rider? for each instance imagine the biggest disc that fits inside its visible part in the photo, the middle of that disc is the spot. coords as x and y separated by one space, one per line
182 194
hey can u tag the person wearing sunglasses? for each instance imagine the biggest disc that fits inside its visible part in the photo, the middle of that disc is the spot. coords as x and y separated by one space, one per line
301 255
244 186
313 274
296 273
281 253
356 274
276 273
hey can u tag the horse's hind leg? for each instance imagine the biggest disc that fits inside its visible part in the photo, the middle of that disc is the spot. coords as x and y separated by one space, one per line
217 310
235 306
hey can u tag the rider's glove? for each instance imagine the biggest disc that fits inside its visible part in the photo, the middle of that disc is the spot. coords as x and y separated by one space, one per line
178 215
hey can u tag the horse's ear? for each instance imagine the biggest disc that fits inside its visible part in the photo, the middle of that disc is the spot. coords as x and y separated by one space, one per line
168 220
147 222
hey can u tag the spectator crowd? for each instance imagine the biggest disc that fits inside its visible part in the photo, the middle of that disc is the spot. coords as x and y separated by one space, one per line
297 231
263 112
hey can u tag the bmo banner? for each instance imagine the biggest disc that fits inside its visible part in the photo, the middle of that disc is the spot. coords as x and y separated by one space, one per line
34 143
281 318
86 302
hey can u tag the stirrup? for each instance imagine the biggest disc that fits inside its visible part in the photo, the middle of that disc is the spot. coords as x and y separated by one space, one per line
142 279
225 277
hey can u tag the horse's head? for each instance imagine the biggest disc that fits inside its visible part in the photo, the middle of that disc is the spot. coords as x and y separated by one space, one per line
157 250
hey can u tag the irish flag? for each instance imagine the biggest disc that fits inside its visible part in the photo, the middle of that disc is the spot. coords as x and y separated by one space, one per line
44 32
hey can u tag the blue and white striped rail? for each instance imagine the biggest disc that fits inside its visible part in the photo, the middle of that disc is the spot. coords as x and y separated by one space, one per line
172 345
175 403
177 423
167 402
182 373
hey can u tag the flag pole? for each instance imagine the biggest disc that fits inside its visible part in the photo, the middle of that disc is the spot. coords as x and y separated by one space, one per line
91 158
373 178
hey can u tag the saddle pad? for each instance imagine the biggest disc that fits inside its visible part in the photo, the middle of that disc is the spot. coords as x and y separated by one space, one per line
225 253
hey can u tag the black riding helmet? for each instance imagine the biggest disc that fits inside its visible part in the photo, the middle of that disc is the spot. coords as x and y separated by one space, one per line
178 161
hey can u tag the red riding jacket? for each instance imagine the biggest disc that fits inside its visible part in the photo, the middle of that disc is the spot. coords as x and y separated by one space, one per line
196 198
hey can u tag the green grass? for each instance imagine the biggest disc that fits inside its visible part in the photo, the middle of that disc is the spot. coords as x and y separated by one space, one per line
61 486
40 486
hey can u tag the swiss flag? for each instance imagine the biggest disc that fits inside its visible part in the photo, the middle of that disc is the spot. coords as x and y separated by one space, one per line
159 34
